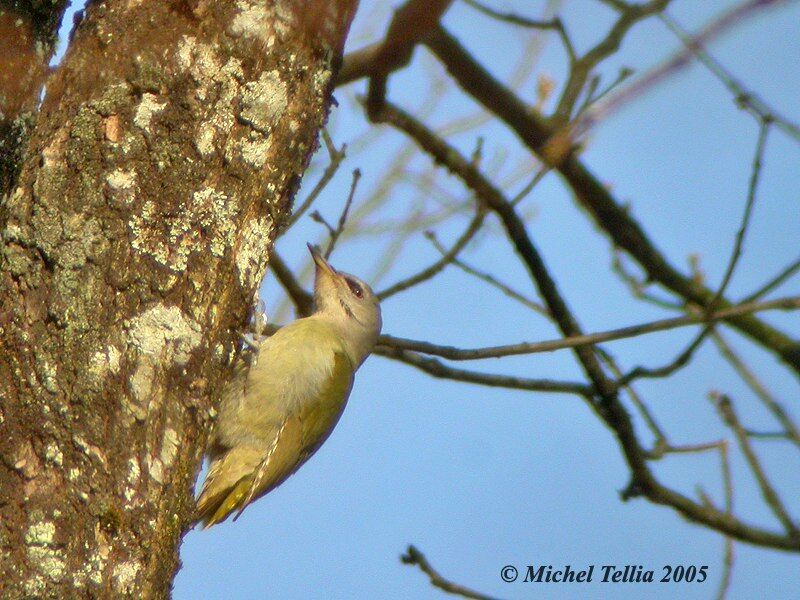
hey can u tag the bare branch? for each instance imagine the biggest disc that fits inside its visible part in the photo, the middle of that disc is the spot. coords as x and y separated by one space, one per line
790 430
629 15
518 236
727 482
317 217
678 61
437 369
452 353
538 135
490 279
755 177
523 193
745 98
556 24
336 158
335 233
415 557
660 452
592 96
725 407
448 257
411 22
684 357
303 301
773 283
592 194
617 5
657 431
639 287
767 435
604 398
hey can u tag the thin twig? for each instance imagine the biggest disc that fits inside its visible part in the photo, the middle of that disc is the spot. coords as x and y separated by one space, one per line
638 287
767 435
617 5
317 217
604 399
744 97
415 557
556 24
453 353
591 98
790 430
629 15
725 407
449 256
490 279
727 560
591 193
649 419
660 451
528 187
603 396
606 403
336 158
303 301
437 369
755 177
685 356
773 283
529 56
718 26
343 217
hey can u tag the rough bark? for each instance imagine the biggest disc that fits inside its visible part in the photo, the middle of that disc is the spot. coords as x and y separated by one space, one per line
28 30
135 235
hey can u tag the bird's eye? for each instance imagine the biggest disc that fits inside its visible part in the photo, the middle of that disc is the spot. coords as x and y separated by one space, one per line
355 288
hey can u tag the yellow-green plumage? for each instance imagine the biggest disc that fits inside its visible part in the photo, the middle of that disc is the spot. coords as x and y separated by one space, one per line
229 501
280 442
275 414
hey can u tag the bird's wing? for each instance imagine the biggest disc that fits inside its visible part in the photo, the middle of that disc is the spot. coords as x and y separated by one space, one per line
303 431
227 483
242 474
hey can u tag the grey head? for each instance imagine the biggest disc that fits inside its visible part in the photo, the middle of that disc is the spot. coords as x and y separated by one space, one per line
348 303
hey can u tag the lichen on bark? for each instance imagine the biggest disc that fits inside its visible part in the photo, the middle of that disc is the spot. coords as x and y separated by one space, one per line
134 238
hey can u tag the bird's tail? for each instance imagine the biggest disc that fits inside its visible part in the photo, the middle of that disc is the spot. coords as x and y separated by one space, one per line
214 506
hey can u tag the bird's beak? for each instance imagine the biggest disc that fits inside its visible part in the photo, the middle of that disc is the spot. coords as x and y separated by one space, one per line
320 261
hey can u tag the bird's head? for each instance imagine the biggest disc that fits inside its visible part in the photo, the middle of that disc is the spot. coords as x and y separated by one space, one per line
348 301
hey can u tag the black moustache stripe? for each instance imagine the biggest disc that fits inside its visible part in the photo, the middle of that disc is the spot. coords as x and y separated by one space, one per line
349 312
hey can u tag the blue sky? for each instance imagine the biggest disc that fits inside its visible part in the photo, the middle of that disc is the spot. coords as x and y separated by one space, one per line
479 478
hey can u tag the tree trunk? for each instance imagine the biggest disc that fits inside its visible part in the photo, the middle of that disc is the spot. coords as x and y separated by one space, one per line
29 33
135 235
